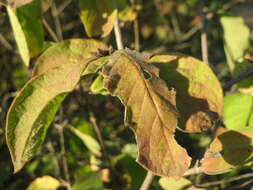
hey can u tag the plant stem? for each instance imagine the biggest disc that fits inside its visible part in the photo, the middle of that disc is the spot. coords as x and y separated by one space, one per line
214 183
136 35
241 76
147 181
203 36
49 30
117 33
63 152
5 43
193 171
54 12
98 133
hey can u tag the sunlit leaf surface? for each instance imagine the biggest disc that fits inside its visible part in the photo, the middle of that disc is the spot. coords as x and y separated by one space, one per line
34 107
199 93
229 150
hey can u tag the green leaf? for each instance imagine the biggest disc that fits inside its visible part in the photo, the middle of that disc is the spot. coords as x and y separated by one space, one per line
89 181
199 93
33 109
88 141
150 111
229 150
134 172
97 86
32 10
33 30
98 16
238 111
130 149
235 45
44 183
19 36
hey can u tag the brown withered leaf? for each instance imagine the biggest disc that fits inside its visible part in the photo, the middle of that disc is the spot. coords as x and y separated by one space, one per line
228 151
149 110
199 93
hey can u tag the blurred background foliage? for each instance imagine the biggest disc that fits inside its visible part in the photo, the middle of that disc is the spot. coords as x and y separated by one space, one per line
96 151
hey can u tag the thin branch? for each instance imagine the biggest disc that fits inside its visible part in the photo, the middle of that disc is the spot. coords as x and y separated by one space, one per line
93 121
193 171
49 30
189 34
57 22
5 42
117 33
63 153
176 27
56 162
136 35
240 186
231 4
136 30
63 6
215 183
147 181
241 76
203 36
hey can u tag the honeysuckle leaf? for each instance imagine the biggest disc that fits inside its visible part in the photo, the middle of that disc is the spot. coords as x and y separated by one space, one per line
150 112
199 93
98 16
34 107
229 150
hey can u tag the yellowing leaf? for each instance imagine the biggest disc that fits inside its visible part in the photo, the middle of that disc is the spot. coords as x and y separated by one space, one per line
128 14
33 109
44 183
19 36
199 93
228 151
67 51
150 111
98 16
88 140
172 184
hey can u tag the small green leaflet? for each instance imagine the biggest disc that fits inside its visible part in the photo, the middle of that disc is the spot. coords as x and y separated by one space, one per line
19 36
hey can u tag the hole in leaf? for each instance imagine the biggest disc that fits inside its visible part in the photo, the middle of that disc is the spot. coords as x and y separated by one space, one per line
146 74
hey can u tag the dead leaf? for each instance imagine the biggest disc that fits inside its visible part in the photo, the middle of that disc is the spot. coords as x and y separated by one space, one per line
150 112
